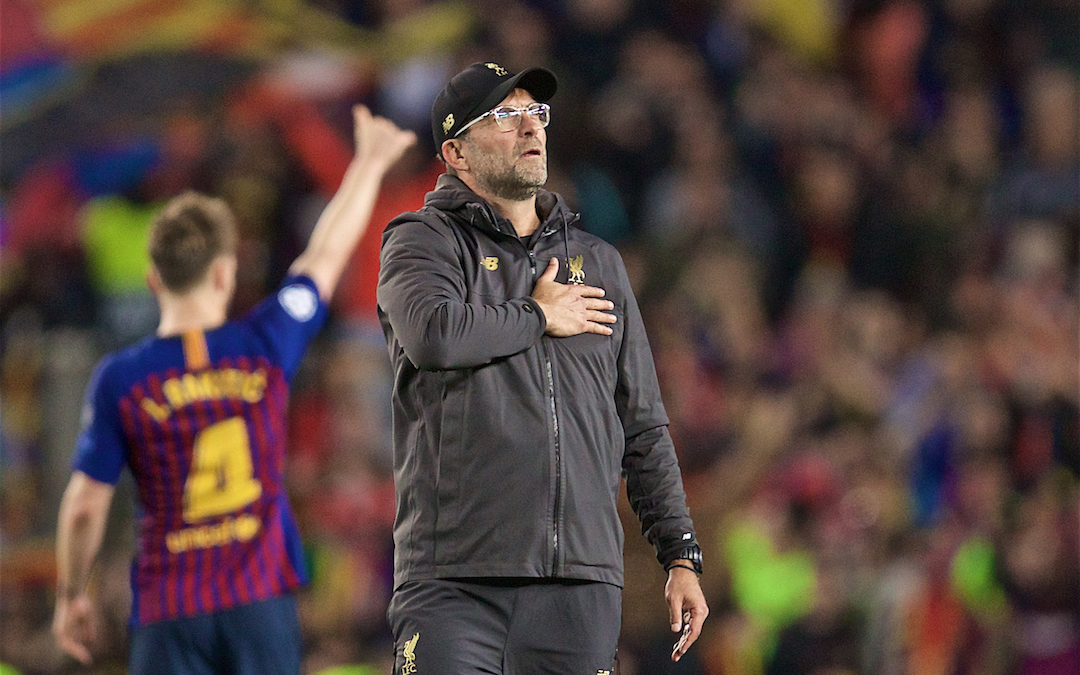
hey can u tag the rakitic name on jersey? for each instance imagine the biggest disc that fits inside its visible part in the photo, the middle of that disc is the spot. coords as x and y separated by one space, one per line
208 385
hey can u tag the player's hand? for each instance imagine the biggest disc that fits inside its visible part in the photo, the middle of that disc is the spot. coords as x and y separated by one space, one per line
378 140
74 626
571 309
686 608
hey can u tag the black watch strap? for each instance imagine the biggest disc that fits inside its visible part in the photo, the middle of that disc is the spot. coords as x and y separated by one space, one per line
689 557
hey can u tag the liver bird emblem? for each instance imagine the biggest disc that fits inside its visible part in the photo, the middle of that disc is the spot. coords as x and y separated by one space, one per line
577 275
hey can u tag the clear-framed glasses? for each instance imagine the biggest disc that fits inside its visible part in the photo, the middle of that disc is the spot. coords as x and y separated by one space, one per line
508 118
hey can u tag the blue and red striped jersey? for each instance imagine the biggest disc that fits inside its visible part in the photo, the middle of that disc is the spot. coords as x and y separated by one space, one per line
200 421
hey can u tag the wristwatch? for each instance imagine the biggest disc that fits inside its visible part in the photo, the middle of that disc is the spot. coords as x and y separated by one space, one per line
691 554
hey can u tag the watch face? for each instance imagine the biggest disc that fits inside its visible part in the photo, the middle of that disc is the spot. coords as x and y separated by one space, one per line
693 554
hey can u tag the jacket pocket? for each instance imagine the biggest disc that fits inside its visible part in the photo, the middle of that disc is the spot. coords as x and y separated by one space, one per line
448 507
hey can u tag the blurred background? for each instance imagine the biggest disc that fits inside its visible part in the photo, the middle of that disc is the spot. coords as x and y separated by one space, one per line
852 226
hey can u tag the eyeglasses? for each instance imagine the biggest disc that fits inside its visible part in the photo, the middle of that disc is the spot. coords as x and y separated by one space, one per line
508 118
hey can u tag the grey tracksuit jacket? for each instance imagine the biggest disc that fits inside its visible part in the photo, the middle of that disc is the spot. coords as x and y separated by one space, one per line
509 444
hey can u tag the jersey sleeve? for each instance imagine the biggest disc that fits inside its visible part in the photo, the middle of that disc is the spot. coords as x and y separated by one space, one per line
288 320
101 449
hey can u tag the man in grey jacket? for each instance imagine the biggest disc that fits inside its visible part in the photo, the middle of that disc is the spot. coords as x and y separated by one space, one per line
524 390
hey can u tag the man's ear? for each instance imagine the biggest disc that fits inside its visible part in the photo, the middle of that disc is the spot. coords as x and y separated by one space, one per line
452 154
154 282
223 269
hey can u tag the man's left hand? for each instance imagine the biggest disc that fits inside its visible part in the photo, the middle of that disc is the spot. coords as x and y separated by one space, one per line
686 608
74 626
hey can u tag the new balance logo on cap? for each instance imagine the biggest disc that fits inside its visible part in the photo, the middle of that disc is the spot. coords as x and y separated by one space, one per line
478 89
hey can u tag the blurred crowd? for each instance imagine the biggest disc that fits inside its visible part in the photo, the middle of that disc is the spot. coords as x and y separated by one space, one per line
853 229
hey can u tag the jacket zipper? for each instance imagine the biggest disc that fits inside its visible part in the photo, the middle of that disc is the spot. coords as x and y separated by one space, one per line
489 213
551 401
558 450
558 467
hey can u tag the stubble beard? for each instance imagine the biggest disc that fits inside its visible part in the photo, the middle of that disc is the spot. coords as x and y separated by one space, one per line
509 181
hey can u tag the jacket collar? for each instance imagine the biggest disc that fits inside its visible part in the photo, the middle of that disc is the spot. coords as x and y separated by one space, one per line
453 197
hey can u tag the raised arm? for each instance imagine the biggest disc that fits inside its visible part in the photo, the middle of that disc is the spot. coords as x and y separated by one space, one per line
84 510
379 143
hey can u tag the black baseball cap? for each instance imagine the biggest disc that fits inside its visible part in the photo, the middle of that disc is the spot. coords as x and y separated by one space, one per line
478 89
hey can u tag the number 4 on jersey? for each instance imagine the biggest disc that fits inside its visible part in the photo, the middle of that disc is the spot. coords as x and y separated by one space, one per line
222 478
